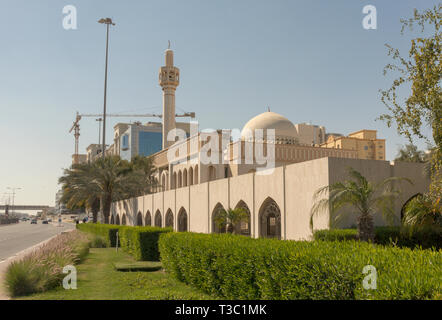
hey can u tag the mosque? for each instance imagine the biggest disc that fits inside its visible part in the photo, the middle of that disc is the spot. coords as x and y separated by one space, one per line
271 168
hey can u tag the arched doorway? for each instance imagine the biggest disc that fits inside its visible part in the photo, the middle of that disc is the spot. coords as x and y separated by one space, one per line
180 179
169 218
123 220
158 222
174 180
117 222
112 221
216 228
139 219
148 219
243 227
270 220
182 220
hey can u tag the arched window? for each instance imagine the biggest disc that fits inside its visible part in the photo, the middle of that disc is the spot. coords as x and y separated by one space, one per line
190 176
216 227
139 219
185 178
148 219
117 222
163 181
270 219
182 220
212 173
158 219
243 227
195 173
123 220
180 179
174 181
169 218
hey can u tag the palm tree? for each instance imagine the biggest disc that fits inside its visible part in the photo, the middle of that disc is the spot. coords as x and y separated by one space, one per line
109 179
77 192
365 196
422 211
231 218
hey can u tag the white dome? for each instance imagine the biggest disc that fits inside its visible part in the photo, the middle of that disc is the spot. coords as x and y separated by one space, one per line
285 131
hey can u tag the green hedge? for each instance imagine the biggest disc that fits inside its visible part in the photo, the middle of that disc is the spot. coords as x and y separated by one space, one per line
142 242
398 236
236 267
107 231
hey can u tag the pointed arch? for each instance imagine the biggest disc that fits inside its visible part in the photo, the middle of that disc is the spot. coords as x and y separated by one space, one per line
182 220
195 175
243 227
139 219
163 181
185 178
117 220
112 221
158 219
180 179
269 219
169 218
123 219
216 228
190 176
174 181
148 219
212 173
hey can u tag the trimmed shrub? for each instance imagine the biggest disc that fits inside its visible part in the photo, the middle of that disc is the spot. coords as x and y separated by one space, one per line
107 231
425 238
142 242
235 267
336 234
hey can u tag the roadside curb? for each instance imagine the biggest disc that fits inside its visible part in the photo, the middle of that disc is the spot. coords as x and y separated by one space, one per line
5 263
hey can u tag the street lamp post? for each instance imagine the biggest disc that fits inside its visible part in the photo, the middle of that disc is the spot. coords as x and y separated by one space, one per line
13 197
107 22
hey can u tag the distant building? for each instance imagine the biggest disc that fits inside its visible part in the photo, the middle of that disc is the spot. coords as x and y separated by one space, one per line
364 142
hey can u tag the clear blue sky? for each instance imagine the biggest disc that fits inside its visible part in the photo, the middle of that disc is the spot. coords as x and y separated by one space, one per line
308 60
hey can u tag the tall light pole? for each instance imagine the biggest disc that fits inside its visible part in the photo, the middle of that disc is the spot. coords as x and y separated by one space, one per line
99 129
107 22
13 196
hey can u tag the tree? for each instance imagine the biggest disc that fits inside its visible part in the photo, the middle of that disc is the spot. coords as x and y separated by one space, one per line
410 153
109 179
422 71
422 212
364 196
230 218
78 192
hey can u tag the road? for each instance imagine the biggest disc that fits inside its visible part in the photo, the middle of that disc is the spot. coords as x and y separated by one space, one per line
17 237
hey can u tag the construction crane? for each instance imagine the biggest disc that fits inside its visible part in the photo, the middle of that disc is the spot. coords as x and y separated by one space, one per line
76 125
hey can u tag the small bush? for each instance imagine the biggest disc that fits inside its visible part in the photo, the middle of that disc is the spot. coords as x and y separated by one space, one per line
142 242
235 267
107 231
425 238
42 269
98 242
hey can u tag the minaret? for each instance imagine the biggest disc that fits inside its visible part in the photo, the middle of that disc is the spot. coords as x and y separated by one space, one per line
169 79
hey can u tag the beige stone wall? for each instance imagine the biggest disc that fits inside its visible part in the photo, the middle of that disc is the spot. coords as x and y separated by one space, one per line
291 187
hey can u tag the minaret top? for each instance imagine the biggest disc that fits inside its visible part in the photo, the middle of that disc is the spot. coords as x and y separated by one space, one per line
169 74
169 56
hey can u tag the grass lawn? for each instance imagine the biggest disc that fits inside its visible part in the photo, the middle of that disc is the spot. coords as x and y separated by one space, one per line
98 279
